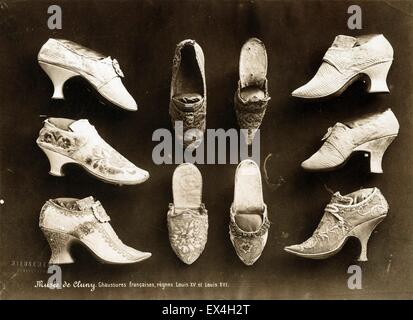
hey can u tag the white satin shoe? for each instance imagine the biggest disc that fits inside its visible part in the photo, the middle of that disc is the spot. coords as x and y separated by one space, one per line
372 134
63 59
347 60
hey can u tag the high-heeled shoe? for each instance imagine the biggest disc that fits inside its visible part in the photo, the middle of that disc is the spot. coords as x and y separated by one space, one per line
65 221
68 141
354 215
251 98
63 59
249 224
187 216
188 94
347 60
372 134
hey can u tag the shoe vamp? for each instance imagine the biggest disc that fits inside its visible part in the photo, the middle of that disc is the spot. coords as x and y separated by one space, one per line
327 81
327 237
101 158
326 157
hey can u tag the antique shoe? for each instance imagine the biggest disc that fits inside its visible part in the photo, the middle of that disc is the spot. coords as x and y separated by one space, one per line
347 60
248 227
188 94
372 134
251 98
353 215
69 141
187 216
64 59
65 221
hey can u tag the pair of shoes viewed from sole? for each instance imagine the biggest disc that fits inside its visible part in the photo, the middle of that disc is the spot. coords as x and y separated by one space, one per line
188 103
187 217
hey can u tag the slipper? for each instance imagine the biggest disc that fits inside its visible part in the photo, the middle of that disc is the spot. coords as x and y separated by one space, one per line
187 216
249 222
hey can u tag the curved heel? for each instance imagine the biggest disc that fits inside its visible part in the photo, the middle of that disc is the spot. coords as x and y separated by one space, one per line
376 148
363 233
57 161
378 74
58 75
59 244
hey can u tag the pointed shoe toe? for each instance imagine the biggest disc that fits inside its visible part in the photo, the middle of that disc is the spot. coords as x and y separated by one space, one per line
295 249
116 93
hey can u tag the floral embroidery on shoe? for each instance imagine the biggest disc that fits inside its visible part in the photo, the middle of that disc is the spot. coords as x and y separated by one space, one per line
188 231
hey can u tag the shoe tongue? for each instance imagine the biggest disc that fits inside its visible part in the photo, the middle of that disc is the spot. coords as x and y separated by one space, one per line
80 126
342 41
85 203
339 199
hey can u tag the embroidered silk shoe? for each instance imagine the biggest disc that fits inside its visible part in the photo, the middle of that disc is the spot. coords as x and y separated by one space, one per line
69 141
65 221
354 215
64 59
372 134
347 60
188 94
248 227
251 98
187 216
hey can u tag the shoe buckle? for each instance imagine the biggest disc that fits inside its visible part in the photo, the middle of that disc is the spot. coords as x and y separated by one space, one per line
99 212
